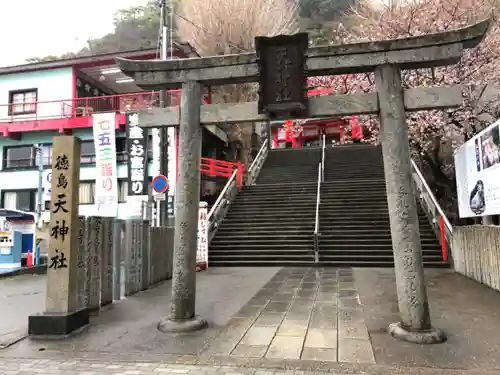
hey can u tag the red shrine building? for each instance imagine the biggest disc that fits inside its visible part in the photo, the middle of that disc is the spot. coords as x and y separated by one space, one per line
290 134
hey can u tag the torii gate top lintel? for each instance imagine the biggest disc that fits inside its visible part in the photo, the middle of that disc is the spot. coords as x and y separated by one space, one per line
430 50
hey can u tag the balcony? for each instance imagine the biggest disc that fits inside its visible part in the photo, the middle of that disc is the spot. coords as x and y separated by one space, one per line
66 115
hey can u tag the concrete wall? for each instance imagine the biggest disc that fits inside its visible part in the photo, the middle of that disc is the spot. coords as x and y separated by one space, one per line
476 253
52 85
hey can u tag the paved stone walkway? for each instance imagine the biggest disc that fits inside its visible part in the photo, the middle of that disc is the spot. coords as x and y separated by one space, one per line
308 314
20 366
275 321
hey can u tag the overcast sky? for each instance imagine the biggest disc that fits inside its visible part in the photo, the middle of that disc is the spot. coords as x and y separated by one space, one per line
35 28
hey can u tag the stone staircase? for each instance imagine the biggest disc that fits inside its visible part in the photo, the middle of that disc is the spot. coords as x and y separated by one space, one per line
354 216
272 223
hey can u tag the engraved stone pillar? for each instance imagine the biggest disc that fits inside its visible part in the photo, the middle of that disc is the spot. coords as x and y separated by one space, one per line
107 261
94 241
82 264
415 324
146 256
129 259
133 256
138 234
117 259
182 308
63 314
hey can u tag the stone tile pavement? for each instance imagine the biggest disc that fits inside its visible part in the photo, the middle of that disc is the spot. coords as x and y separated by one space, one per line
275 321
301 313
92 367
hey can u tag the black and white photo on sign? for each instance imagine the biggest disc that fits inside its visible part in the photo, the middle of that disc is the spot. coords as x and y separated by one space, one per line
477 201
490 147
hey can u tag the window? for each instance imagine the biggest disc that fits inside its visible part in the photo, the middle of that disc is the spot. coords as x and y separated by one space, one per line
121 150
87 192
19 157
26 156
122 190
87 151
22 102
23 200
47 155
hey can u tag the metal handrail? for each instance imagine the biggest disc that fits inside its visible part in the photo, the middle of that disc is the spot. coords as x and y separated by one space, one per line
323 159
228 193
222 194
257 163
316 225
434 201
262 148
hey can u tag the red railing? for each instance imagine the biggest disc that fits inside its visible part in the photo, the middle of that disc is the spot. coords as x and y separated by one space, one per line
222 168
56 109
62 115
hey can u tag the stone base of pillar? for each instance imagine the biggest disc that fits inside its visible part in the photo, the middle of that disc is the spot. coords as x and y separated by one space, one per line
57 326
166 325
432 336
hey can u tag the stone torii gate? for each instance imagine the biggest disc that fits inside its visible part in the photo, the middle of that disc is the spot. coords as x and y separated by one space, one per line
279 64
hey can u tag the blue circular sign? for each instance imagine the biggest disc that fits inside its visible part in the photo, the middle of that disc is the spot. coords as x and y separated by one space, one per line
160 184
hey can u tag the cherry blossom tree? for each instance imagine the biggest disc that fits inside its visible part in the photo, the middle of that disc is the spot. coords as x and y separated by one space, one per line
221 27
433 134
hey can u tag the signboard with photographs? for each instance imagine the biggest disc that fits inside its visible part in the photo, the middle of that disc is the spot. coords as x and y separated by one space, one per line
477 173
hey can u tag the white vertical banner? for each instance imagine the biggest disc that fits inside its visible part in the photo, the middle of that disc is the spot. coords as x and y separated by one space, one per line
106 181
202 250
156 149
172 161
172 170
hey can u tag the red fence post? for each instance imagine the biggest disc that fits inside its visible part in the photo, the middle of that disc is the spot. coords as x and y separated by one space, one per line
239 175
211 164
444 249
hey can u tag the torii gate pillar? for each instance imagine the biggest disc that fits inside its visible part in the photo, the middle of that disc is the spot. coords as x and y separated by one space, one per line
182 316
415 324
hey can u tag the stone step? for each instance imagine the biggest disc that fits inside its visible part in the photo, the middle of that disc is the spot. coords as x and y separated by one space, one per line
275 191
266 211
270 215
341 207
305 246
296 220
366 235
303 257
372 241
274 242
285 262
310 198
227 229
371 247
264 236
370 258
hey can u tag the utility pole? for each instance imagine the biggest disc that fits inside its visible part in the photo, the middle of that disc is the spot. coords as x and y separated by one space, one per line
164 102
39 207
